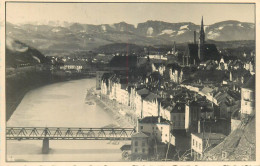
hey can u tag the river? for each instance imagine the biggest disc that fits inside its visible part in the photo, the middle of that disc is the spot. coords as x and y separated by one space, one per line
61 105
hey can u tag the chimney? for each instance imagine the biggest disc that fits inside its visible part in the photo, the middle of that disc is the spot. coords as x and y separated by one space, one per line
194 37
159 112
199 126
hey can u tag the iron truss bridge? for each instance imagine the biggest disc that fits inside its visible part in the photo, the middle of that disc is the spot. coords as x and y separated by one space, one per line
64 133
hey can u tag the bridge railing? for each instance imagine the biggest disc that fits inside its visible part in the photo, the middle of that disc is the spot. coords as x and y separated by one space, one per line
19 133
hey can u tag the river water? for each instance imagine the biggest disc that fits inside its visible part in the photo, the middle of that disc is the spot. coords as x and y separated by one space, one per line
61 105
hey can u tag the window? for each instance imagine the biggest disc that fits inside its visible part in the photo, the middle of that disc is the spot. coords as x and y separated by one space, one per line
143 150
136 143
196 144
136 150
142 127
153 128
165 135
199 145
143 143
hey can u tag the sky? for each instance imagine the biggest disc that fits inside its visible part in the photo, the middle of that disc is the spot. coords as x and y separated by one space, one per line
132 13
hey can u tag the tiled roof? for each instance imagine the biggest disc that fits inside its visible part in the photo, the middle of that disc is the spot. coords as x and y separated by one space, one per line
206 90
153 120
250 84
123 61
211 51
143 91
151 96
139 135
211 136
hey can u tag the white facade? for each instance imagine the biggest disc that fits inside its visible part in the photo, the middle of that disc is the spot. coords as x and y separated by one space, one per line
165 113
196 144
150 108
175 76
161 131
200 143
247 101
121 94
139 106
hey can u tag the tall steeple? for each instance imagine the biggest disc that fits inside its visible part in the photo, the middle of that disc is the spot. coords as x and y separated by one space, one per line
202 33
201 42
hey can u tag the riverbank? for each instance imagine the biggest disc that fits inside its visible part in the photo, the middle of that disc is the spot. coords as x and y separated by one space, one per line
113 108
21 82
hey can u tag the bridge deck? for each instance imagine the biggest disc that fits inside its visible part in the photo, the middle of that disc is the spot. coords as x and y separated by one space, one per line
63 133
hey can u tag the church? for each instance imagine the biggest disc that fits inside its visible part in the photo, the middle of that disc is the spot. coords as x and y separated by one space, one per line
201 52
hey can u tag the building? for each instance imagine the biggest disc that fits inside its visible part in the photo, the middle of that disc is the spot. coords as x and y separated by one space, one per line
248 97
207 112
136 100
139 146
178 116
196 53
151 105
203 142
122 63
157 127
192 116
76 65
220 125
99 75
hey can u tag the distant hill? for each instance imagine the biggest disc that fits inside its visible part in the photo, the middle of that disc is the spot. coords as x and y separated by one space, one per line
120 48
18 53
63 39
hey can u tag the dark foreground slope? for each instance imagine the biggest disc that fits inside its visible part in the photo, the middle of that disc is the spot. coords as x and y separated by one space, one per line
240 145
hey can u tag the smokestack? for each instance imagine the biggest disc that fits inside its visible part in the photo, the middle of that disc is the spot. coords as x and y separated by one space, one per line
199 126
159 112
194 37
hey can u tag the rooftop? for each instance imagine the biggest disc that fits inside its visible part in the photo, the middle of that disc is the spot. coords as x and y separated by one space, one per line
123 61
211 136
139 135
250 84
151 96
143 91
153 119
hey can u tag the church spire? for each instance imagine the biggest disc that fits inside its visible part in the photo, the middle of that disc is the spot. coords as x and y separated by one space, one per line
202 33
201 42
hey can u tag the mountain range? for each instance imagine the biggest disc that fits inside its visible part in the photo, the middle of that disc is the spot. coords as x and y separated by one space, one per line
70 37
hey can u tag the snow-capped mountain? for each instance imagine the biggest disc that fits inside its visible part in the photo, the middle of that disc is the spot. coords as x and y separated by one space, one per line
76 36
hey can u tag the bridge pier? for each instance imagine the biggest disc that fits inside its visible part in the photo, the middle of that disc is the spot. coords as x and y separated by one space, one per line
45 146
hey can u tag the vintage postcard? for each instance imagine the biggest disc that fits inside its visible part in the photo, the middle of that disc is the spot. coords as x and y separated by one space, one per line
129 83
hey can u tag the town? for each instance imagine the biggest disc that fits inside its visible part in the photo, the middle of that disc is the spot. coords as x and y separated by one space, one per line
190 101
182 104
190 106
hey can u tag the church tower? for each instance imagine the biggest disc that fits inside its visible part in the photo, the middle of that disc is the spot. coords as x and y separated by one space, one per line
201 42
174 48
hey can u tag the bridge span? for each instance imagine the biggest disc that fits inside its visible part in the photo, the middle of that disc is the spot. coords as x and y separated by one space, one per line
67 133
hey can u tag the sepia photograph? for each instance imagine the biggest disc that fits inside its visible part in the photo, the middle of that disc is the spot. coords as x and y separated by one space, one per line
129 82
